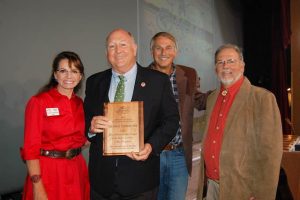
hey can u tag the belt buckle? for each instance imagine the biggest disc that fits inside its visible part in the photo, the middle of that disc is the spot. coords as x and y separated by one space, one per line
45 152
70 153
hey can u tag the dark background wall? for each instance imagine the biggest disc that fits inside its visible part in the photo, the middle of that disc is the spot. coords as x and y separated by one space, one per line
257 39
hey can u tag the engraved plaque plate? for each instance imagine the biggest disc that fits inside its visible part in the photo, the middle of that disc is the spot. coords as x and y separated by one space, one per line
126 135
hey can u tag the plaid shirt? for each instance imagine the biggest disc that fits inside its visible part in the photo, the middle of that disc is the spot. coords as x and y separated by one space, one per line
178 138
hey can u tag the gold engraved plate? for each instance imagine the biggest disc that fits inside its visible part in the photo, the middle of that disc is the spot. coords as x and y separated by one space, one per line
126 134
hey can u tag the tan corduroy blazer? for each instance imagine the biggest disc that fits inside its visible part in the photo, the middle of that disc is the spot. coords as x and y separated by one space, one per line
252 145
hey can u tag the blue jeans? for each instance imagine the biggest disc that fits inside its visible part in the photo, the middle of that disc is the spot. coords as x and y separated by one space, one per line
173 175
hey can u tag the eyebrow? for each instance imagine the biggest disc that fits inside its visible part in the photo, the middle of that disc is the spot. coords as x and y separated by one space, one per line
228 59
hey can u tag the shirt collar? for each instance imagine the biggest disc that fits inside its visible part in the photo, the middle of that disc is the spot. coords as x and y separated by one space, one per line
128 75
174 71
152 66
233 89
53 91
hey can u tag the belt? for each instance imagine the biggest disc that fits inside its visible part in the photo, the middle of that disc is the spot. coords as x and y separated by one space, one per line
170 147
69 154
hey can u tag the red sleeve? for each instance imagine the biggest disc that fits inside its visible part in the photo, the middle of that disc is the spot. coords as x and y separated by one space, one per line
32 130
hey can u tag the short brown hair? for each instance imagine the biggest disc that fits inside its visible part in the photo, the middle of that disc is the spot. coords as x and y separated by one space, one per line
73 59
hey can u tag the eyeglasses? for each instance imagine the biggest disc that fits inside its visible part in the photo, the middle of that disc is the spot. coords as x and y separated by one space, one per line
229 62
65 72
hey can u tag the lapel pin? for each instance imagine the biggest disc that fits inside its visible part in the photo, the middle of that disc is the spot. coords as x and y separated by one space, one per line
143 84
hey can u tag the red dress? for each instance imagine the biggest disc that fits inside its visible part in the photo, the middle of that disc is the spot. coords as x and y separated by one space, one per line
60 128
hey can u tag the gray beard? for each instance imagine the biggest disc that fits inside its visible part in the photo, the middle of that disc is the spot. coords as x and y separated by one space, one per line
231 81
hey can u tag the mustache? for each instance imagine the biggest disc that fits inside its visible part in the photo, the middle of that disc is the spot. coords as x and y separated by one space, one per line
226 71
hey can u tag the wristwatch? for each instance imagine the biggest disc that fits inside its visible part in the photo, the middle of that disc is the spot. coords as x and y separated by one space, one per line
35 178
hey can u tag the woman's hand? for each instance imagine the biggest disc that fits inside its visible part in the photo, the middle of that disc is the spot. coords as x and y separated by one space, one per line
39 192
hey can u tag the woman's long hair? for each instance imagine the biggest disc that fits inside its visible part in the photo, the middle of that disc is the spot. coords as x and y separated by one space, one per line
73 59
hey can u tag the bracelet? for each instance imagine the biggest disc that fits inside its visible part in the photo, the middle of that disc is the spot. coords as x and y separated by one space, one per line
35 178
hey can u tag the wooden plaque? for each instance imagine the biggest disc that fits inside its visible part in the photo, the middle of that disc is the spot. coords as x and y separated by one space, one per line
126 134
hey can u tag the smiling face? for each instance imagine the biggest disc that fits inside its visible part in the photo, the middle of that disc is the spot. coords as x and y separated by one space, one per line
67 77
229 66
121 51
164 52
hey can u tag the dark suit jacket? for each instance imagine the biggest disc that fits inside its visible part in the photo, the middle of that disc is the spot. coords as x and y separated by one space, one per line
120 174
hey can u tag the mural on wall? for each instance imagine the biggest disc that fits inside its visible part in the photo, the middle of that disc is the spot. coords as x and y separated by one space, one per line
191 22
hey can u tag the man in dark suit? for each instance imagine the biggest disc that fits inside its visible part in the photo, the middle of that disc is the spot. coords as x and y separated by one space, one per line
136 175
176 159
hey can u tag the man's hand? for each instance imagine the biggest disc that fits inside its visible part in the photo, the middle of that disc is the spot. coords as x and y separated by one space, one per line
99 123
142 155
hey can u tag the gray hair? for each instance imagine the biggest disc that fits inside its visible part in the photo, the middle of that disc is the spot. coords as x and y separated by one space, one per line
229 46
163 34
119 29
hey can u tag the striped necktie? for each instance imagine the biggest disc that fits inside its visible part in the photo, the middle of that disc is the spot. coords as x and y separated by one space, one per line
120 92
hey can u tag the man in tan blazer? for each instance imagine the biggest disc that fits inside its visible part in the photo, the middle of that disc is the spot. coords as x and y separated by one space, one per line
242 143
176 158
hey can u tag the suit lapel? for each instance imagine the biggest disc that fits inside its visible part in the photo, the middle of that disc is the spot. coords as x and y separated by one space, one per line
240 99
139 84
104 86
181 81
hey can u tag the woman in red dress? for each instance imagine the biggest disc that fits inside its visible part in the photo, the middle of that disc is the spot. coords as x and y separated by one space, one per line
54 136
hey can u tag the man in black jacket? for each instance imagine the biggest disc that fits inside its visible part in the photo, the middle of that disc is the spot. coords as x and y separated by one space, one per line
136 175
